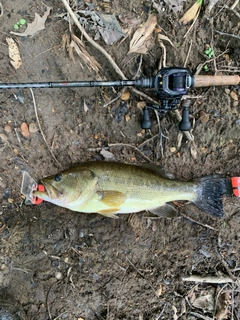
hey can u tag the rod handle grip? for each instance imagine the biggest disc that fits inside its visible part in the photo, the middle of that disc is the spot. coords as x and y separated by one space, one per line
221 80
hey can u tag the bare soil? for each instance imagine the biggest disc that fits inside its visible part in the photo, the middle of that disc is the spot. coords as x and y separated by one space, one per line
58 264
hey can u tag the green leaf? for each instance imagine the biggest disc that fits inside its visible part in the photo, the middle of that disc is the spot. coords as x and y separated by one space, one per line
22 21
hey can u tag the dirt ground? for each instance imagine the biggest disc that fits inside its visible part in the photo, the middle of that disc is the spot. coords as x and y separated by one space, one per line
58 264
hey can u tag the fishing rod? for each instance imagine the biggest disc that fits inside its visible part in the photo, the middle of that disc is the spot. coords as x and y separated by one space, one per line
170 84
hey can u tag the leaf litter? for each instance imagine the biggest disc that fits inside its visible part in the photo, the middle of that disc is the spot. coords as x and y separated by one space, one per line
175 5
104 25
191 13
142 38
13 52
72 44
37 25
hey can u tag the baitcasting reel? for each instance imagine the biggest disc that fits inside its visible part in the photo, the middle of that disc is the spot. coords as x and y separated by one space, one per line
170 84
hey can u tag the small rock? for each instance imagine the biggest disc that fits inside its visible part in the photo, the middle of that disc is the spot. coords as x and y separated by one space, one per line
25 130
204 117
172 149
3 137
8 128
33 128
58 275
227 91
235 103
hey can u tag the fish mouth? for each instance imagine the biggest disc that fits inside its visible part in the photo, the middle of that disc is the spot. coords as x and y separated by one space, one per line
51 191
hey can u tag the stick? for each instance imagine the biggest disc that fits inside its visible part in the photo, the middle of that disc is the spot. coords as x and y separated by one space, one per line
142 276
90 40
129 145
201 224
40 128
209 279
227 34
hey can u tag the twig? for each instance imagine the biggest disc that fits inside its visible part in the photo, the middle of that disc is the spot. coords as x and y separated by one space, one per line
60 315
233 10
224 263
227 34
201 224
139 67
40 128
194 21
1 10
144 95
130 146
90 40
159 316
209 279
189 50
210 6
198 315
142 275
146 141
113 100
199 68
161 135
233 6
218 294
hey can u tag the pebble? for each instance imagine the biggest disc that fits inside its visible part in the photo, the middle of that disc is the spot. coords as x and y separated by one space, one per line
33 128
8 128
3 137
172 149
58 275
204 117
25 130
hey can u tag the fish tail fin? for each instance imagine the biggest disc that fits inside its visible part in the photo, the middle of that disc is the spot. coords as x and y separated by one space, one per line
210 193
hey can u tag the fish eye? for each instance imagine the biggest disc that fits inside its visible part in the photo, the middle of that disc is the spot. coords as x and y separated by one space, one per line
58 177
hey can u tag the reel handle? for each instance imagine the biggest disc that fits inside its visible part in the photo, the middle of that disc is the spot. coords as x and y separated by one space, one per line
209 81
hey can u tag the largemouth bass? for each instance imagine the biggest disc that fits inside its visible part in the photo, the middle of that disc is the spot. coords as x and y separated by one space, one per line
110 188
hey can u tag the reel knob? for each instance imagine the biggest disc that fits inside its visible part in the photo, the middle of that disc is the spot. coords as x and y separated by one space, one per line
185 124
146 121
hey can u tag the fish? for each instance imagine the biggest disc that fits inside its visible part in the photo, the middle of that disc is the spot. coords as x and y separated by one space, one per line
111 188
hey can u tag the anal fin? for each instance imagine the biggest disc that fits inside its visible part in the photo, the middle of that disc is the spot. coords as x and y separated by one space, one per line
165 211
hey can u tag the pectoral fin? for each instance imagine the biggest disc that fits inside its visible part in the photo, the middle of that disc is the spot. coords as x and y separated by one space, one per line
112 198
165 211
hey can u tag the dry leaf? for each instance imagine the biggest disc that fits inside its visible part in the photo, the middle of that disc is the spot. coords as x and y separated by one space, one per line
125 96
73 43
175 316
142 37
13 53
234 95
223 302
193 150
85 106
161 37
191 13
37 25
